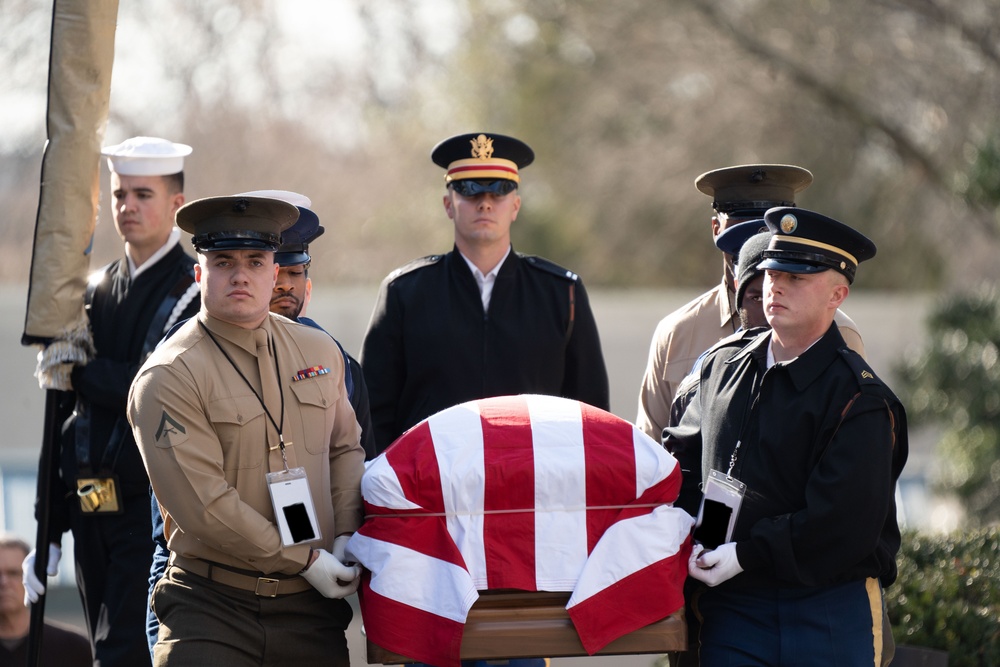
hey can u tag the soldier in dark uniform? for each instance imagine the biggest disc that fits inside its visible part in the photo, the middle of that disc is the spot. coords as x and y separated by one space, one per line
794 437
130 303
481 320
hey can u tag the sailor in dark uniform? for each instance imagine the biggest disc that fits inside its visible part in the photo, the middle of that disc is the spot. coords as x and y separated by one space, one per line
798 446
481 320
130 303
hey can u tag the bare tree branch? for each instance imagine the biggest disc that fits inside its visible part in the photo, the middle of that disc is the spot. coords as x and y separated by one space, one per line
837 99
982 37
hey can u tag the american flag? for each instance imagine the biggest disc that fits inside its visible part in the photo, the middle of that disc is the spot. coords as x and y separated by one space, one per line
536 493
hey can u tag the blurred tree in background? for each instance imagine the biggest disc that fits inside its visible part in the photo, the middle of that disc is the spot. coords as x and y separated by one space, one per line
947 596
956 382
891 105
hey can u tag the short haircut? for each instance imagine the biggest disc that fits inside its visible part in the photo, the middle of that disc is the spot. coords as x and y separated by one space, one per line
11 541
175 182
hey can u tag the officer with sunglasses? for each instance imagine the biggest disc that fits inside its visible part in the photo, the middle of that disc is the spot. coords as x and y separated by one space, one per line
481 320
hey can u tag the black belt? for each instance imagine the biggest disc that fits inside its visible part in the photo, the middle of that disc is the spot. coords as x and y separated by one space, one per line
267 587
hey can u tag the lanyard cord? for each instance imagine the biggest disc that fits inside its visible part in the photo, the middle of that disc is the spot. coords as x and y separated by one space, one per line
277 427
748 411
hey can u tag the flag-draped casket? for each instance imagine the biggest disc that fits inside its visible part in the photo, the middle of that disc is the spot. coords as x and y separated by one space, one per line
535 493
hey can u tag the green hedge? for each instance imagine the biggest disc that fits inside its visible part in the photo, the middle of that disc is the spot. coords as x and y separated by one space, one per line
947 596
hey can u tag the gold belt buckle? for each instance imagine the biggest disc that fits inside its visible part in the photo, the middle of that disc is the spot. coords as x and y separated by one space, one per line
98 495
266 587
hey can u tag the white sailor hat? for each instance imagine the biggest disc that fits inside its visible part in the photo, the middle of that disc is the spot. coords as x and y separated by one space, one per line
146 156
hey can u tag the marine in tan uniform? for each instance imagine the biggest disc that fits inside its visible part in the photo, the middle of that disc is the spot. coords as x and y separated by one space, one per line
232 396
740 194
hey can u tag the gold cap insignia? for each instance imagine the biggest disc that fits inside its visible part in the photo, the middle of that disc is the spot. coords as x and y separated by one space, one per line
482 147
843 265
788 223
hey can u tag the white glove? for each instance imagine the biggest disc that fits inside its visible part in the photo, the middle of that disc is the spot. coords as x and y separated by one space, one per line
716 565
340 550
327 572
33 588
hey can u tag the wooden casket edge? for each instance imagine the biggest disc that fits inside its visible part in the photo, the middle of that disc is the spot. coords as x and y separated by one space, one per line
526 624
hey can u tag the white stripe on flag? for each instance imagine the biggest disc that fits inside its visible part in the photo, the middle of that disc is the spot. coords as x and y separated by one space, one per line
458 444
631 545
380 486
415 579
651 466
560 490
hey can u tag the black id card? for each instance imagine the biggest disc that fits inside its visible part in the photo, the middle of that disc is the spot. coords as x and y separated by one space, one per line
720 507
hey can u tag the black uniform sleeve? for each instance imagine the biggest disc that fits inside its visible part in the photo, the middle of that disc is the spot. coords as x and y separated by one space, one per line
684 442
586 377
849 494
58 499
104 382
362 409
382 359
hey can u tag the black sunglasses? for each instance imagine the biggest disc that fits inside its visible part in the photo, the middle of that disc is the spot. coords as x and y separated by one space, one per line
471 188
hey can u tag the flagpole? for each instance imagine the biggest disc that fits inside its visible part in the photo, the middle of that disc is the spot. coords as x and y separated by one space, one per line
42 513
80 60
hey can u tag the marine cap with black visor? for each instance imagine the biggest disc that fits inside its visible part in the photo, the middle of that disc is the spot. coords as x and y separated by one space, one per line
236 222
748 190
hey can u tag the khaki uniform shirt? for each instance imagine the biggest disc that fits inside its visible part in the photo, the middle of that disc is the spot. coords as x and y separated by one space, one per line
207 442
682 336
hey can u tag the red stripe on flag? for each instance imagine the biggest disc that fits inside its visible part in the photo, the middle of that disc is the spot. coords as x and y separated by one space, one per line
664 491
508 537
643 597
408 631
416 465
426 534
610 459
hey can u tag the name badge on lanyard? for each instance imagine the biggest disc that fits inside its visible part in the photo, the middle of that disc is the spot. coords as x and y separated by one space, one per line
720 507
293 506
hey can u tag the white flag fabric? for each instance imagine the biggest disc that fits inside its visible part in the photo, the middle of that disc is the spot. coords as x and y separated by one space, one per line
536 493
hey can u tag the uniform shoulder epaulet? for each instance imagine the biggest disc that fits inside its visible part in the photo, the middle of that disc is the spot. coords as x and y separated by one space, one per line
543 264
410 267
738 339
863 373
741 336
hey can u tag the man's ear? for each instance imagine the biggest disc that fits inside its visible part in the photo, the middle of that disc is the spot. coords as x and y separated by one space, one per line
197 273
178 201
308 296
716 226
840 292
449 205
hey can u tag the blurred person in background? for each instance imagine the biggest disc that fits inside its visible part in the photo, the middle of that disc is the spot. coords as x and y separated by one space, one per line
62 645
